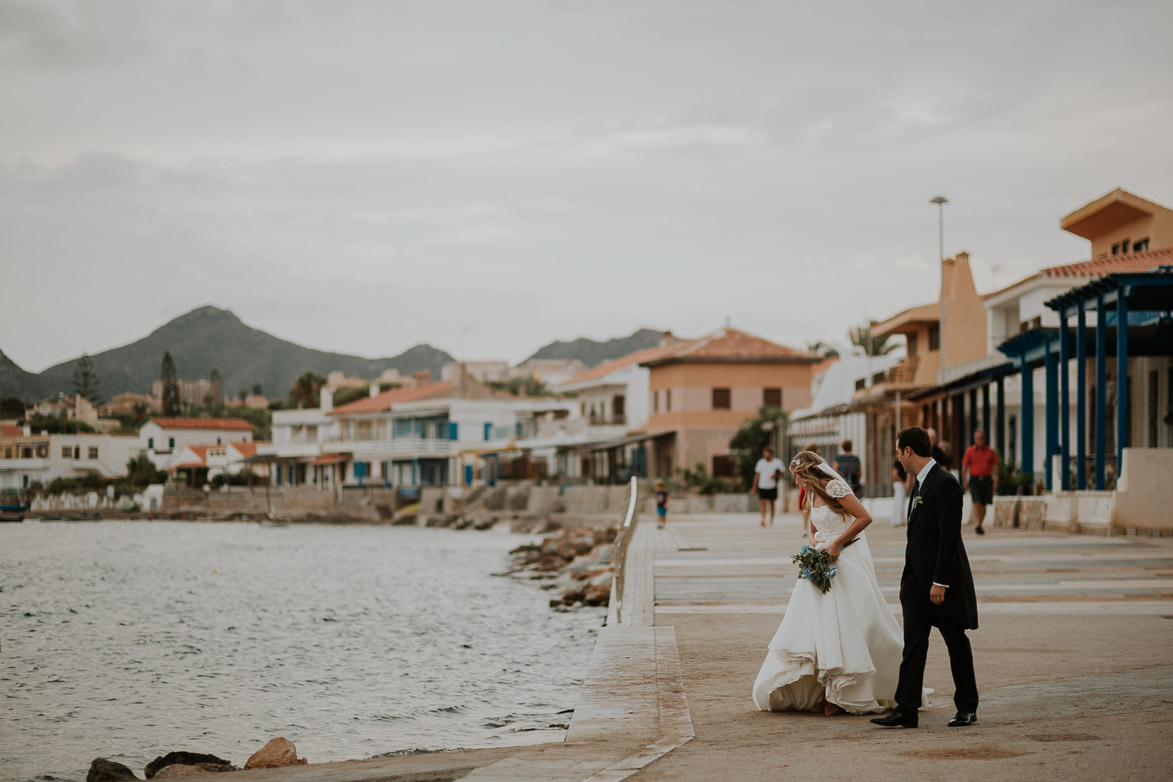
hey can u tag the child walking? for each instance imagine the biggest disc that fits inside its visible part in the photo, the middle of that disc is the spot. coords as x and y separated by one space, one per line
661 504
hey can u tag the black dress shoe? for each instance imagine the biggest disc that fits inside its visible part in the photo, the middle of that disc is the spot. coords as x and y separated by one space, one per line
963 718
897 719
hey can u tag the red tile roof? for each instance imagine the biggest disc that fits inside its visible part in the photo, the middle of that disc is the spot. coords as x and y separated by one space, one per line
203 423
730 344
383 401
11 431
245 449
1100 267
1113 264
638 357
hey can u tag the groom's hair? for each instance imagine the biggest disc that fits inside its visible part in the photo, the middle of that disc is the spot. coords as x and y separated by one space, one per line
917 439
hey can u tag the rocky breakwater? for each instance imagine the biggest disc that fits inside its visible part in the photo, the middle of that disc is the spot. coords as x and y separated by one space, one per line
575 563
278 753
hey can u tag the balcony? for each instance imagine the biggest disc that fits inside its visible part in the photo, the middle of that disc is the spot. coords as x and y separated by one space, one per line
403 446
617 419
904 372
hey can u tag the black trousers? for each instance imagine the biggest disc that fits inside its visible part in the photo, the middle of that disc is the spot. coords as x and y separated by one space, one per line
920 616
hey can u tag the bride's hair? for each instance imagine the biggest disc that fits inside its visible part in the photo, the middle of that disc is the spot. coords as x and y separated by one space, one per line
805 468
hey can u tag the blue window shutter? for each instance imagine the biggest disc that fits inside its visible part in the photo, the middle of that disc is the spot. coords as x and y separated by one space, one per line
488 431
453 430
151 443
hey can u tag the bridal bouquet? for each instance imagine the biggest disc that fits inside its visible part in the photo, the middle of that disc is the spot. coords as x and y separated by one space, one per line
814 564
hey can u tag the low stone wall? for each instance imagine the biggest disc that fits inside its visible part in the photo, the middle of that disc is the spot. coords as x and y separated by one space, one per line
1144 499
1080 511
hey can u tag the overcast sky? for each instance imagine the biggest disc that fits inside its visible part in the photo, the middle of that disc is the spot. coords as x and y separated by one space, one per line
365 176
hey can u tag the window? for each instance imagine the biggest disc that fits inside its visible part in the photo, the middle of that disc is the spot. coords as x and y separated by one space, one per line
170 442
151 443
218 441
721 399
655 401
1140 246
93 452
488 430
935 336
8 453
910 342
772 397
668 400
1124 247
77 452
724 466
453 430
66 452
1116 249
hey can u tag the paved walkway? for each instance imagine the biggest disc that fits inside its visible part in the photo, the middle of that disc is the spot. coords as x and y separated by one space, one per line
1074 662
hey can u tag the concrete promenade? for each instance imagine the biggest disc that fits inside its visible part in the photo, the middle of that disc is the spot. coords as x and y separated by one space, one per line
1074 662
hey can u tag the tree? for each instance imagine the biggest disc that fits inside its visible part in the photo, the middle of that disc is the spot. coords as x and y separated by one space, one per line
85 380
752 437
171 403
824 349
141 471
217 405
304 391
879 345
11 407
242 395
257 389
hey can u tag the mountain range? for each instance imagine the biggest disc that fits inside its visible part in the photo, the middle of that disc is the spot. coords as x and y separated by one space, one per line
210 338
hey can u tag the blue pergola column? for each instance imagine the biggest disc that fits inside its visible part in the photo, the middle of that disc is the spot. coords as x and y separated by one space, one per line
1028 419
1051 364
1064 410
1121 381
1000 419
1101 387
1081 398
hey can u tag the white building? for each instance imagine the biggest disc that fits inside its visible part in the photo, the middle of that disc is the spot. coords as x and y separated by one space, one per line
438 433
161 438
47 457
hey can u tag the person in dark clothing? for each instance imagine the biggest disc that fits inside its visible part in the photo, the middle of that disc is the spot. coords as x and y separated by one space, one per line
848 465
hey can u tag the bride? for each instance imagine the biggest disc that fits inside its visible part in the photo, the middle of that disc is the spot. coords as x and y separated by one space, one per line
840 650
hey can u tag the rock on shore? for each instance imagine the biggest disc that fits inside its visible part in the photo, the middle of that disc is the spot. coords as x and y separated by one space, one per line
575 563
278 753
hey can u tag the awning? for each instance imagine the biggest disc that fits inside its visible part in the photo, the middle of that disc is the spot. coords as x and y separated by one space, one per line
333 458
635 438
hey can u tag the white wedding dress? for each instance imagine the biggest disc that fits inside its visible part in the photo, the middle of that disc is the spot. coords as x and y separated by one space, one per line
844 645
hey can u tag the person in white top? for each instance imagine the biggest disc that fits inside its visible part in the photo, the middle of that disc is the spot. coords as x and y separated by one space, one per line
765 482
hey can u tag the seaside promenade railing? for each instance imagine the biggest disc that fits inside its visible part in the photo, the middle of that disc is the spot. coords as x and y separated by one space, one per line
619 557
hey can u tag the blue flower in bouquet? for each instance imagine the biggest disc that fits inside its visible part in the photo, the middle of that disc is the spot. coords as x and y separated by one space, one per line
831 573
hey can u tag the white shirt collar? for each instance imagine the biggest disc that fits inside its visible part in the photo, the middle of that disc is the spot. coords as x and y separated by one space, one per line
924 472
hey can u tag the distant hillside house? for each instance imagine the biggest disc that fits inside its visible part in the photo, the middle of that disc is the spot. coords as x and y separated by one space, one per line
191 392
161 438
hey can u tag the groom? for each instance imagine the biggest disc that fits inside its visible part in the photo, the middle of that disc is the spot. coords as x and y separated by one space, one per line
936 589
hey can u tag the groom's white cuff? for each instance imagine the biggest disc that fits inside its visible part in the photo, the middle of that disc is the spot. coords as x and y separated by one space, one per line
946 586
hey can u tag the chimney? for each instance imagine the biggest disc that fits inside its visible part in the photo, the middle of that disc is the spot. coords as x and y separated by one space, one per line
374 389
326 399
667 338
28 430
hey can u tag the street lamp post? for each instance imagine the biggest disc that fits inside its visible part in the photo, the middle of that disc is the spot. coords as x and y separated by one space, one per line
940 201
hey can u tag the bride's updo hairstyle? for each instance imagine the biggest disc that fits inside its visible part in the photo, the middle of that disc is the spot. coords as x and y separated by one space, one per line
805 468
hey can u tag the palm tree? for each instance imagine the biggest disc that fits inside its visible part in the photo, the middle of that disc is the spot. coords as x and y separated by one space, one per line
859 336
824 349
305 390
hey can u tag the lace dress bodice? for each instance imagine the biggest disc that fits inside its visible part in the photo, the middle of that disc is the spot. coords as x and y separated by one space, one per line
828 524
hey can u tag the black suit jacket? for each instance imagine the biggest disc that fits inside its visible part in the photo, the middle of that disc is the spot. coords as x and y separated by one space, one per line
936 553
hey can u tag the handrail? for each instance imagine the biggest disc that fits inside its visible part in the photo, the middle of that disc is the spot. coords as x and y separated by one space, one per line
619 555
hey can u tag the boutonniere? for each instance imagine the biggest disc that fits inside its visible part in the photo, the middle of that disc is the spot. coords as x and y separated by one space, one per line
917 501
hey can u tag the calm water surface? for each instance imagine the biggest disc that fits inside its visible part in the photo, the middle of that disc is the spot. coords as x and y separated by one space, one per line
131 639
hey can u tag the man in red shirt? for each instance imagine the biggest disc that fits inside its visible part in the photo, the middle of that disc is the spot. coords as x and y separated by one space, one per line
979 474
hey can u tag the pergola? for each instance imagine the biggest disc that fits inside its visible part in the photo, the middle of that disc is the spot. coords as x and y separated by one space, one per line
1134 317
